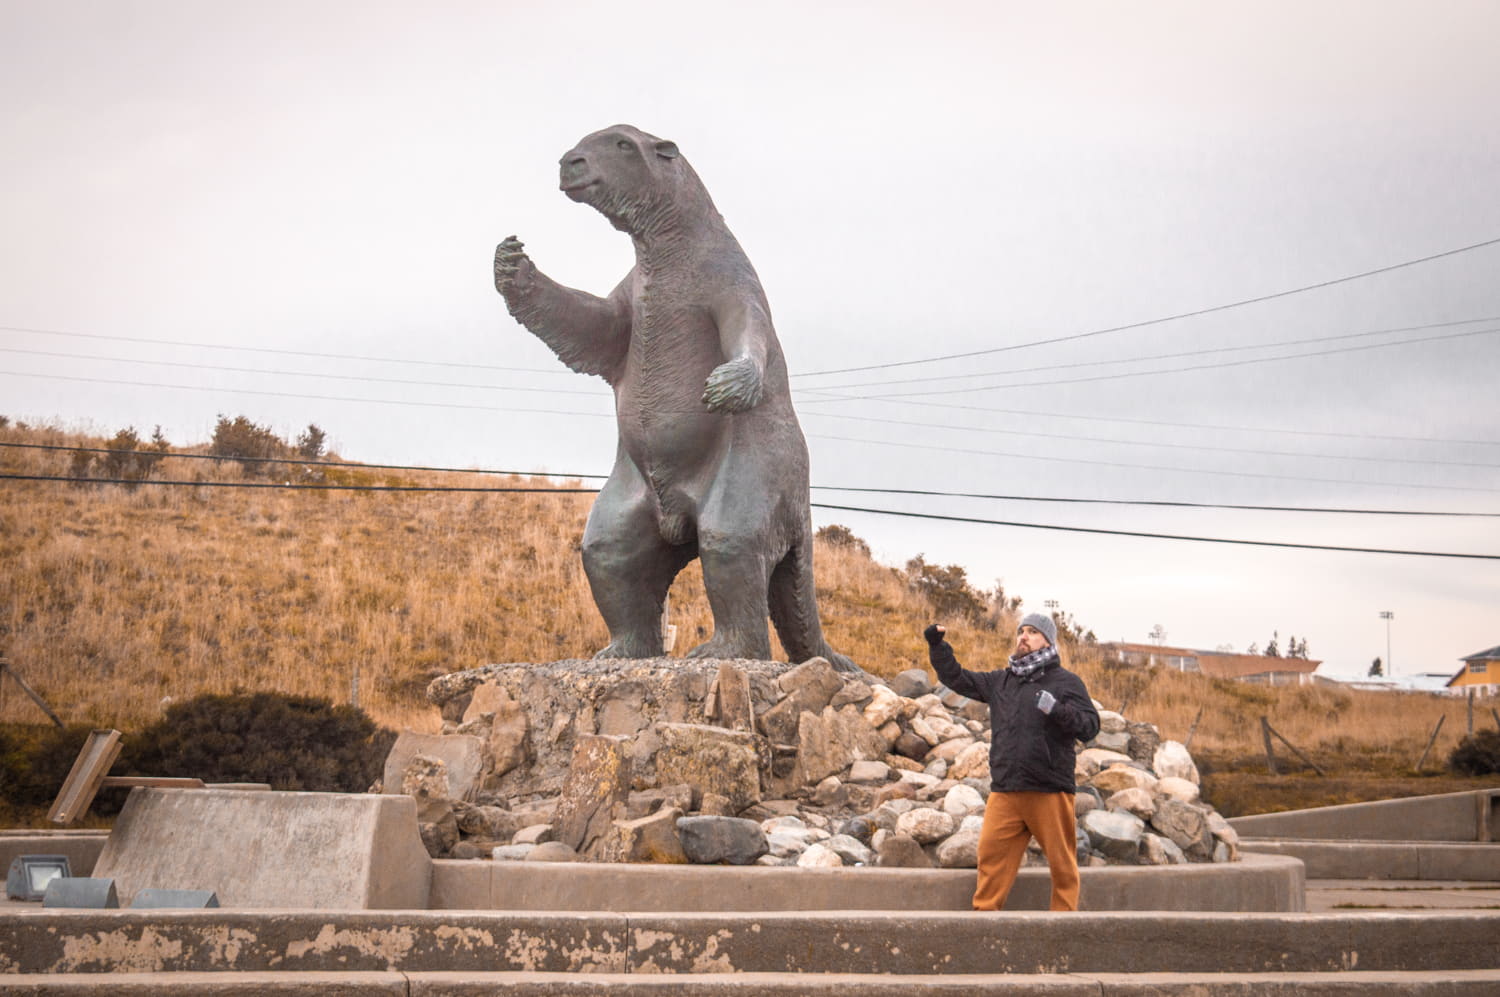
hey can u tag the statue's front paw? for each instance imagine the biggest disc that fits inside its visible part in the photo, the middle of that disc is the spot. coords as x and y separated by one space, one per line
513 268
735 386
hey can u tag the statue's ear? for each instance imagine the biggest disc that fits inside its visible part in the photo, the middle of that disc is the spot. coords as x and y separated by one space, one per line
666 150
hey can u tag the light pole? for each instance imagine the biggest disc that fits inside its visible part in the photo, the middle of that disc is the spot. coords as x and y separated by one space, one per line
1051 605
1387 615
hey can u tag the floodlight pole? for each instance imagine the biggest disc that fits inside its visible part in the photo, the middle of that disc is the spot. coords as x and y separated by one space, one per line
1387 615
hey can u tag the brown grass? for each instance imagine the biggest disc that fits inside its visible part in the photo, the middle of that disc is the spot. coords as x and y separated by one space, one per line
114 600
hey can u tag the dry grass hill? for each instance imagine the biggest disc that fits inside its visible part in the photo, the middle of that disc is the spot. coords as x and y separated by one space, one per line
116 599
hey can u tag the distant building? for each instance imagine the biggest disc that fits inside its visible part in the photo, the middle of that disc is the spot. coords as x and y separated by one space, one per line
1481 673
1260 668
1434 683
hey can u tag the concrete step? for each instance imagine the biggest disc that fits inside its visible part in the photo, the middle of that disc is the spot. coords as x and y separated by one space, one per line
1476 861
861 942
1470 983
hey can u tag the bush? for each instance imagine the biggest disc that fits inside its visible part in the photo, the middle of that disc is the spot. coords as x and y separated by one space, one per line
291 742
1477 754
35 759
843 538
252 444
947 590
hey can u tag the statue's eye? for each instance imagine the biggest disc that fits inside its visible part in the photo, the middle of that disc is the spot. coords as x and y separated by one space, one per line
623 144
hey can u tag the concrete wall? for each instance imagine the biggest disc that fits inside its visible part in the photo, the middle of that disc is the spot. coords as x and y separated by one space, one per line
1473 816
345 851
82 847
1259 883
1476 862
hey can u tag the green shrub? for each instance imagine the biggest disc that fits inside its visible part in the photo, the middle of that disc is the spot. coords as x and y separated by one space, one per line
35 759
1477 754
241 438
291 742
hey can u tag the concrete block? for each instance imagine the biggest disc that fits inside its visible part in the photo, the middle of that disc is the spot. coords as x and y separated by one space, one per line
1441 817
1477 862
322 984
1345 859
463 754
319 850
81 847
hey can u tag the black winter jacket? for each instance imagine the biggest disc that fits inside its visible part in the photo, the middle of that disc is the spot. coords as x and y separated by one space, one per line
1030 751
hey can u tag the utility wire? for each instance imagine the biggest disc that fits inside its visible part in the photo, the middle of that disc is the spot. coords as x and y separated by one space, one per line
1118 375
290 353
310 463
1218 427
296 373
1158 356
1151 443
815 505
1148 467
1155 536
293 394
1158 321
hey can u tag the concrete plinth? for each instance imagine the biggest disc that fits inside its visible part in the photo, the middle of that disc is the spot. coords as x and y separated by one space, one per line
1471 816
1259 883
288 850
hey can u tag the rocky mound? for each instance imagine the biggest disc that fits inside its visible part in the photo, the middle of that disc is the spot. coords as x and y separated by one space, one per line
672 760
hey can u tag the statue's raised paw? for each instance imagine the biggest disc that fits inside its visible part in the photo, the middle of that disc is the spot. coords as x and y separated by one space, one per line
735 386
513 268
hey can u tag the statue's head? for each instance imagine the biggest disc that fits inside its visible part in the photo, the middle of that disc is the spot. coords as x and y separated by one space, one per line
630 177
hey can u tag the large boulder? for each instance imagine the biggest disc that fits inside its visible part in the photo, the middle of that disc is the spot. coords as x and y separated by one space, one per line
728 761
721 840
598 787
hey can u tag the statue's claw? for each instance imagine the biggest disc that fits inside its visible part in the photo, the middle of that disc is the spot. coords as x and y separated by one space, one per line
735 386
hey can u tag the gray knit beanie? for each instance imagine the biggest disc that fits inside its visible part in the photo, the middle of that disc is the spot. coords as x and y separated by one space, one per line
1043 623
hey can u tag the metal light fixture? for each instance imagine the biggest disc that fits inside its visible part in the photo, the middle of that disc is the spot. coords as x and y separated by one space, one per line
29 875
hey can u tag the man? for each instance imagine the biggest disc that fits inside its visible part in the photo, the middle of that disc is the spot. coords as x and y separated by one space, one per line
1037 710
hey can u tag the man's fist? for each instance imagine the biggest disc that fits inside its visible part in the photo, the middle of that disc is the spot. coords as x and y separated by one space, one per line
1046 701
934 634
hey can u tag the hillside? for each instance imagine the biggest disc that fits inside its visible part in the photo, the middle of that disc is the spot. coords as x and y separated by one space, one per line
117 599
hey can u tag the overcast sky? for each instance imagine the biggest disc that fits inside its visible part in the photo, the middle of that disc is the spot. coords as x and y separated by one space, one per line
289 211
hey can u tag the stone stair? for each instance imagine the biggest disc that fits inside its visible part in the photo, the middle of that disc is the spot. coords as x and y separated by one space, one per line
230 953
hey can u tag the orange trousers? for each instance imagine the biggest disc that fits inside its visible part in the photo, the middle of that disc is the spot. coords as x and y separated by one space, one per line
1010 822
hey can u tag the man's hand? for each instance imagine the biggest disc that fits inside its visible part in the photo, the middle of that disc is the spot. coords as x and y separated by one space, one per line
1046 701
934 634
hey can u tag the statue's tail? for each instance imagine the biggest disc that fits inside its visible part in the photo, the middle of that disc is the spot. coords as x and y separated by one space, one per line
794 609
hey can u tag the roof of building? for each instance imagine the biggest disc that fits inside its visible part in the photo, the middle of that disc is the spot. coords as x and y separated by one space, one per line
1224 664
1493 654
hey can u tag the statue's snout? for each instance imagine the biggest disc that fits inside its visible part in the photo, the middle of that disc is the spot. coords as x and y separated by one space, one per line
573 171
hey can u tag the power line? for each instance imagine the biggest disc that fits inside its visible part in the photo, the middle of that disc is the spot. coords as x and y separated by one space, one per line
1156 536
1150 443
316 463
1158 356
1156 502
290 353
1218 427
1150 467
815 505
292 394
294 373
288 487
1158 321
1118 375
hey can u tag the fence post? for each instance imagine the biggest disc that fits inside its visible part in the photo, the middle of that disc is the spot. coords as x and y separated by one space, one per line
5 669
1431 740
1265 735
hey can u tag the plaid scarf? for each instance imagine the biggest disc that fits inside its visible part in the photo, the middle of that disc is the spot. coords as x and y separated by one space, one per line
1029 664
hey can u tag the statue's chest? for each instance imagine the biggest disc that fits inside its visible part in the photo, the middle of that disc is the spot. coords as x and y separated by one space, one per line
670 312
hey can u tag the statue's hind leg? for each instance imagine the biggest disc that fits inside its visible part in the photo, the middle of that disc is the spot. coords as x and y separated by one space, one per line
738 547
629 566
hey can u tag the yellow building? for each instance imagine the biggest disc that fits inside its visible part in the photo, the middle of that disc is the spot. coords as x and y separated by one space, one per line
1481 672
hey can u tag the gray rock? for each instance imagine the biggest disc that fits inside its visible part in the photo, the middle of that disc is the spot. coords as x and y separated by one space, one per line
1111 741
854 693
876 772
1186 826
926 825
598 783
858 828
910 745
533 834
1156 850
911 683
960 850
1113 833
511 853
850 849
552 851
721 840
902 851
1144 740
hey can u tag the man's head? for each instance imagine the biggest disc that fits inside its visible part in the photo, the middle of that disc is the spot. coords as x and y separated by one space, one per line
1036 632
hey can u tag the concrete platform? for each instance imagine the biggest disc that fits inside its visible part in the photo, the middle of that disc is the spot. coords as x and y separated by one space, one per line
1259 883
341 851
1387 859
1332 895
1452 817
854 942
1459 983
82 847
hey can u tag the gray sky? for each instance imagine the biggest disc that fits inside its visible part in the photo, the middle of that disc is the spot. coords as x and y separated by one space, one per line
911 182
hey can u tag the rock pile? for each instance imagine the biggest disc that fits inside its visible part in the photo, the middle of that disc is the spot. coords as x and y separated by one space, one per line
745 762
